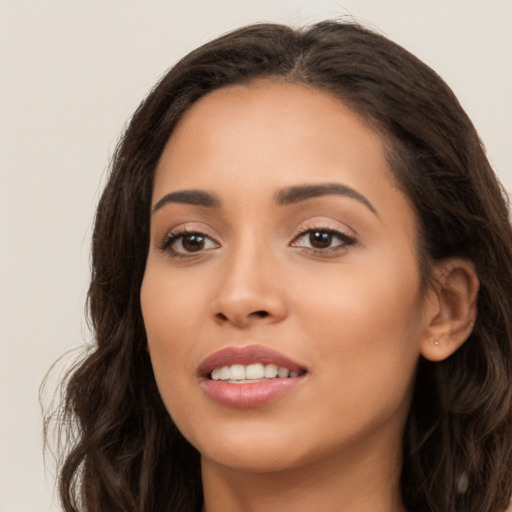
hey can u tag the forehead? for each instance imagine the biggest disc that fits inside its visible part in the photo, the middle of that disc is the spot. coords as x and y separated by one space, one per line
261 125
250 140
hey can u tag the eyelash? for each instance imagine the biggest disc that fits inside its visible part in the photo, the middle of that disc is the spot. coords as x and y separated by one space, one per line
346 241
180 234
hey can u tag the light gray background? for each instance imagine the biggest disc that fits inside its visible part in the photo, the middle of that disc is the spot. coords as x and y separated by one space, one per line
71 74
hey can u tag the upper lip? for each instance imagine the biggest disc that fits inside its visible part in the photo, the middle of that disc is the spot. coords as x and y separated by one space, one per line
247 355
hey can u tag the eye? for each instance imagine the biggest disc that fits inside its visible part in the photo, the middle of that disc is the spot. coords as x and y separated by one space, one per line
186 243
323 240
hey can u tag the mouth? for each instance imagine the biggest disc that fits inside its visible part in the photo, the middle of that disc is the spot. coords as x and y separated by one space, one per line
250 376
255 372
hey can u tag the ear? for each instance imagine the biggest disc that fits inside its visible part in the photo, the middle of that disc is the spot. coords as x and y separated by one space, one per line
451 309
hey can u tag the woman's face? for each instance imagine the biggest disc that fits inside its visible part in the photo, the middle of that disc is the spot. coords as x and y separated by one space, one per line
280 240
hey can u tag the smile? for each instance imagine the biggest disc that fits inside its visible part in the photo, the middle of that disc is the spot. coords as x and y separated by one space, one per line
252 376
239 373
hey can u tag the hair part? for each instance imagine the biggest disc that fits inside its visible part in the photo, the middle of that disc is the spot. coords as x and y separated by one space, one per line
457 445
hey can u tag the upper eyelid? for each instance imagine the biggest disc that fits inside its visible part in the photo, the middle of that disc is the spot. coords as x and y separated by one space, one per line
346 241
203 228
323 230
185 228
344 237
172 237
182 232
325 225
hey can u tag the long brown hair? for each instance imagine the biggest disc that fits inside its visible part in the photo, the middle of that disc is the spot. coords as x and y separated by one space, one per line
457 447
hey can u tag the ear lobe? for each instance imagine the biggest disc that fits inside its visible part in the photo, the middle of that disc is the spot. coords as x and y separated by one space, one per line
452 313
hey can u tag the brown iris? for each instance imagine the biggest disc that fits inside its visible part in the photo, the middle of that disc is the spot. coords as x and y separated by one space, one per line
193 242
320 239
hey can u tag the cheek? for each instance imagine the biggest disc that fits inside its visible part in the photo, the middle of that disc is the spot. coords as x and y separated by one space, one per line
171 306
170 326
367 323
172 317
379 300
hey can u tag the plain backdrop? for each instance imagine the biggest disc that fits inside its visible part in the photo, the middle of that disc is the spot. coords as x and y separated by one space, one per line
72 72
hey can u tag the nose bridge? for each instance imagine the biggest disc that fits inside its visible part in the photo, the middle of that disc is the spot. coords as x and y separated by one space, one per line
249 288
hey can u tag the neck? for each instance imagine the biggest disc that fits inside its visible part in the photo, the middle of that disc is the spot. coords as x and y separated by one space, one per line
357 482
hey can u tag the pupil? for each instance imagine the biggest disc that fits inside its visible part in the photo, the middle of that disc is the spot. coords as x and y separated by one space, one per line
320 239
193 242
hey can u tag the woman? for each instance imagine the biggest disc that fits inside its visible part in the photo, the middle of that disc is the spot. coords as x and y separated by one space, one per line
300 291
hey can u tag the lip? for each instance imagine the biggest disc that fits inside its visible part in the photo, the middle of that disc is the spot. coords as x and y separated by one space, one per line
246 355
252 394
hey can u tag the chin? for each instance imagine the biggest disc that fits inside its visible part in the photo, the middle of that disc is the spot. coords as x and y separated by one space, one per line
254 460
251 449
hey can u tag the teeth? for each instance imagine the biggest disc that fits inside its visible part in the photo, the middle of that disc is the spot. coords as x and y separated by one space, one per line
270 371
283 372
256 371
237 372
225 373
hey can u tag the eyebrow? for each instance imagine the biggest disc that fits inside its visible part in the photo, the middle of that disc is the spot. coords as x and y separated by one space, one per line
294 195
193 197
286 196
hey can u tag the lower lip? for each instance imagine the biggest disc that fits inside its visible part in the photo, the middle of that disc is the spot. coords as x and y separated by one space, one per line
251 394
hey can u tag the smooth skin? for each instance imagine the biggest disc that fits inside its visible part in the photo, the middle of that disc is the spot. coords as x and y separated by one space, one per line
331 281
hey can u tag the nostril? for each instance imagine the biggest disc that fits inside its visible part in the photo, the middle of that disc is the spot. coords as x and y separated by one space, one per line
222 317
261 314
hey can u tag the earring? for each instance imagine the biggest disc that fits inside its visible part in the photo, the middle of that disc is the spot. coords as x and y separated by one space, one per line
436 343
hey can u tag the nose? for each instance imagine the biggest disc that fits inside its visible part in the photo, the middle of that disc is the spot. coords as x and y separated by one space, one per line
249 292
